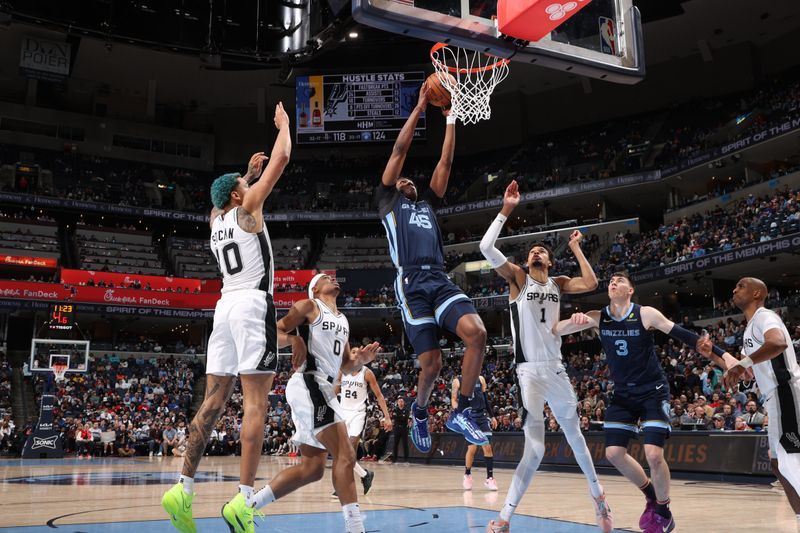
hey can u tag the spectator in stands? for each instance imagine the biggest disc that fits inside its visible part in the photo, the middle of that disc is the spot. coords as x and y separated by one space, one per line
83 440
753 417
740 425
169 439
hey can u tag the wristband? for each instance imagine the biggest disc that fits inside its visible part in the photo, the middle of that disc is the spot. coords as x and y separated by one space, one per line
450 119
745 362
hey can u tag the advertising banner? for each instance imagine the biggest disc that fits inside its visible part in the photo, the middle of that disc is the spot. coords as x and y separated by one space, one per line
45 60
157 283
25 261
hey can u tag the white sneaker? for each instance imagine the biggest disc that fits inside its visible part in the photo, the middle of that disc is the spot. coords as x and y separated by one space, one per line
605 521
151 454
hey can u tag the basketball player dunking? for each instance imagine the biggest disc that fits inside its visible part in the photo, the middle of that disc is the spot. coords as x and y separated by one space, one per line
768 350
481 413
352 388
641 391
534 299
318 420
243 341
428 300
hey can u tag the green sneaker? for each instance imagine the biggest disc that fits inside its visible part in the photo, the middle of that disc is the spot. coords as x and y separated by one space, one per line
239 516
178 506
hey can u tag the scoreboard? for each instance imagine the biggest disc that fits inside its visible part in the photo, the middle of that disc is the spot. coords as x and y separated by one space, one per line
354 108
62 317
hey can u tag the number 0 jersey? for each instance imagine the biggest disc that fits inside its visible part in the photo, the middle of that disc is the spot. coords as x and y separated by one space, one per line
245 259
629 349
533 315
411 227
326 339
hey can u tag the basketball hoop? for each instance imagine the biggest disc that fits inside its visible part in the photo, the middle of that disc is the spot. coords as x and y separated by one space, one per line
470 77
59 371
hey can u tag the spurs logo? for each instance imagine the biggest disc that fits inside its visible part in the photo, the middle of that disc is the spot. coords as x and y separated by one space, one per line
559 11
49 442
268 358
321 413
793 438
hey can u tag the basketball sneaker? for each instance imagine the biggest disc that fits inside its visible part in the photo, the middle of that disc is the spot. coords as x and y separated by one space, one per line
178 506
239 516
648 515
419 429
462 422
605 521
498 526
490 483
366 481
661 524
467 483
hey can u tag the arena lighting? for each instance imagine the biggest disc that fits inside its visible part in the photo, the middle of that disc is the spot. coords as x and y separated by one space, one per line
353 35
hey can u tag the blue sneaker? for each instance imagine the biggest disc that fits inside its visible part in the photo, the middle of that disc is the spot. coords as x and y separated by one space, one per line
462 422
419 431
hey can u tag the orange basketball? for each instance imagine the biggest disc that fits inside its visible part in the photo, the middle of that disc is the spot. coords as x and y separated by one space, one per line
437 94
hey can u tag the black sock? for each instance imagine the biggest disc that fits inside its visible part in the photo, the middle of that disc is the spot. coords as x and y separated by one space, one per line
463 402
662 508
489 466
649 491
467 471
421 412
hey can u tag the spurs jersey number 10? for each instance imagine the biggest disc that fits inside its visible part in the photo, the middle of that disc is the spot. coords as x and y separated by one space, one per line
533 315
245 259
354 391
325 339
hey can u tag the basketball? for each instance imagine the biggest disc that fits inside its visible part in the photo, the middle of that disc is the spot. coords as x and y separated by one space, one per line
438 95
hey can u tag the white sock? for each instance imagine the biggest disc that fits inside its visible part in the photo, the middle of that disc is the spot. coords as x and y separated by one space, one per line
263 497
352 518
247 492
507 511
359 470
188 484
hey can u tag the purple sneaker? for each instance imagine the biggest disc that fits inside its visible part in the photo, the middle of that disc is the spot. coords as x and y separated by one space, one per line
648 515
660 524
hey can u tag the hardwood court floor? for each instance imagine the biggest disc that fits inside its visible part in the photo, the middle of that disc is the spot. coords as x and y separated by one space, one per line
124 495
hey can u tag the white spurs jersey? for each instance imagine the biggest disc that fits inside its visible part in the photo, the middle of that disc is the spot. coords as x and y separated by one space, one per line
533 314
354 390
326 339
245 259
780 370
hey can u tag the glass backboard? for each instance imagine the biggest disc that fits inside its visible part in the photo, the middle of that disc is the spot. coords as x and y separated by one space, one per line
603 40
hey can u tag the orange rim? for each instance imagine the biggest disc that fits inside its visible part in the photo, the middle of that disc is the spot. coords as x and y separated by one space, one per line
460 70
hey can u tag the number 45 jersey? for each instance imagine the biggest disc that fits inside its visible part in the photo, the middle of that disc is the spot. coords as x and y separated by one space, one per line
411 227
245 259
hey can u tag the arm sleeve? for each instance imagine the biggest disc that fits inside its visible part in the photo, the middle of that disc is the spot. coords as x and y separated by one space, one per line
490 252
690 338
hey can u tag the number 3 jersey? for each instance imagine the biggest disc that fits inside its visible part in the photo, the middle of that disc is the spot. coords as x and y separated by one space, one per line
533 315
411 227
245 259
630 351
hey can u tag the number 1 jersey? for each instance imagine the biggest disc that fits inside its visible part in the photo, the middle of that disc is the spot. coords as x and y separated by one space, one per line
411 227
245 259
533 315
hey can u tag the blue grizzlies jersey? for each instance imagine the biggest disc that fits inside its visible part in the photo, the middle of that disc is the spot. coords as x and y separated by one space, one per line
411 227
629 348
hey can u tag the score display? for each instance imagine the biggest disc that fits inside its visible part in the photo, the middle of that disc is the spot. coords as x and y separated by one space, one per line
62 316
352 108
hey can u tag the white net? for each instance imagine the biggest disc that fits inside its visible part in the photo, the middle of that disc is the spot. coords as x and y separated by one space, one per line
59 371
470 77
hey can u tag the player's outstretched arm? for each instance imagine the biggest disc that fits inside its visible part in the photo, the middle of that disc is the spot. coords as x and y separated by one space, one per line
359 357
400 150
369 376
281 151
510 272
577 322
441 174
304 311
588 280
652 318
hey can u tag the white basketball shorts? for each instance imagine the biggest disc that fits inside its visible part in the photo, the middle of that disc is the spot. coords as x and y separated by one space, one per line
245 335
783 409
548 381
355 421
314 407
